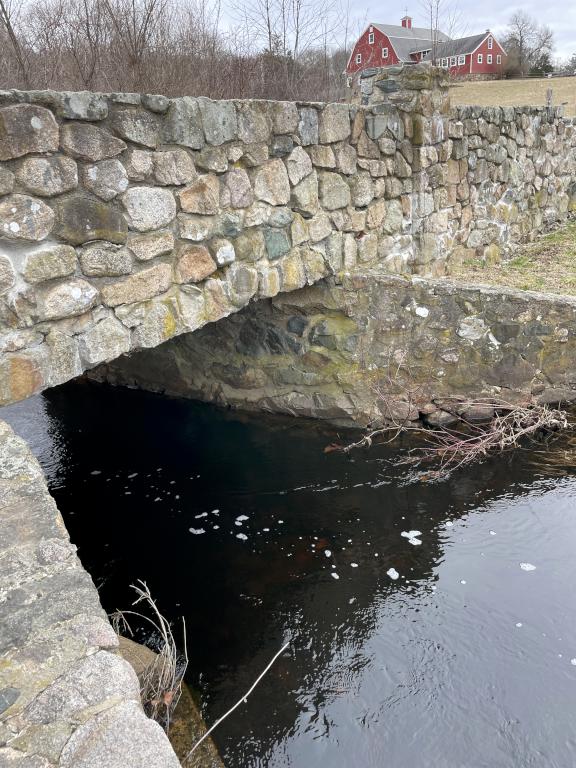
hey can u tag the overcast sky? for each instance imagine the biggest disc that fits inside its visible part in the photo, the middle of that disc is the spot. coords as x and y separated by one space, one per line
560 15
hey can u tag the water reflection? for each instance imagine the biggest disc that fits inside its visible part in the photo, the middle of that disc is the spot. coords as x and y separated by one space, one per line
464 660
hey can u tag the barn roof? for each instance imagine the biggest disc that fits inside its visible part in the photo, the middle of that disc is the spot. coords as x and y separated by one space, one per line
411 33
405 40
459 47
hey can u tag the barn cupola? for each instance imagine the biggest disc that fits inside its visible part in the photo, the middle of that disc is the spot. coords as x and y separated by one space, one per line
407 22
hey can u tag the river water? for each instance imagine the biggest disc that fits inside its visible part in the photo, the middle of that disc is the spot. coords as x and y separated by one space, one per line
248 529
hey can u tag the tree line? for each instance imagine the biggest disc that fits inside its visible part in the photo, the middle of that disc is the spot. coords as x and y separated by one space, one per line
272 49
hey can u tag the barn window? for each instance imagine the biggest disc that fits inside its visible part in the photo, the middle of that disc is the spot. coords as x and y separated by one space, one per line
461 60
384 53
489 58
358 58
480 58
444 62
498 59
452 61
490 43
371 38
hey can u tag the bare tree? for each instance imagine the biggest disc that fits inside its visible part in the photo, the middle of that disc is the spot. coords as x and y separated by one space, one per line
10 12
135 23
526 42
445 20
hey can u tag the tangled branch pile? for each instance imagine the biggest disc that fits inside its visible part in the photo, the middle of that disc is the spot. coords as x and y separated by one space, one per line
467 441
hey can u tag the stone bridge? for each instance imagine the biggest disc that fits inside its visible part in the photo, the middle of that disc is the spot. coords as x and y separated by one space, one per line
127 219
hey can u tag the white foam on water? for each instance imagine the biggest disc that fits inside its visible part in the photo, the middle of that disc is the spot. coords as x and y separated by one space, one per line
196 531
242 517
527 567
393 573
353 565
328 553
241 536
411 534
334 575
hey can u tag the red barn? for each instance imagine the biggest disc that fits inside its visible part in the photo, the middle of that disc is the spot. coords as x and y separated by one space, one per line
383 45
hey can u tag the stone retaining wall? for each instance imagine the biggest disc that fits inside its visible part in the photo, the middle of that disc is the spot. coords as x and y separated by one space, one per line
128 219
67 699
371 348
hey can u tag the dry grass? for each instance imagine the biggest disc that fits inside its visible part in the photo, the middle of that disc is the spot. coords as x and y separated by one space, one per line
517 93
547 265
161 680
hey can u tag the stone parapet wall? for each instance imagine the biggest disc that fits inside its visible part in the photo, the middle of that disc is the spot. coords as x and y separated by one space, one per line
484 178
128 219
67 698
371 348
512 174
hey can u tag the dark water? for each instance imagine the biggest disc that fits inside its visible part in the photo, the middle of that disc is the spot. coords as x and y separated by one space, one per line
466 660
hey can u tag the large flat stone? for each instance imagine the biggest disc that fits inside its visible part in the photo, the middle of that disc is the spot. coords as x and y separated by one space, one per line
123 737
105 341
219 120
183 124
141 286
48 176
138 126
49 262
271 184
203 196
194 264
87 142
81 219
104 259
73 297
25 218
26 128
149 208
106 179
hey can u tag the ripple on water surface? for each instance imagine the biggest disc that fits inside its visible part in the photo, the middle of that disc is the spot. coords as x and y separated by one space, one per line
432 623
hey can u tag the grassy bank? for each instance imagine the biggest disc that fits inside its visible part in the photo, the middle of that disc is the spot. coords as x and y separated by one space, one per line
548 264
516 93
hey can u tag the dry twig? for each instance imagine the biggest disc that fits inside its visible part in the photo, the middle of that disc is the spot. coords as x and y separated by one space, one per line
243 699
